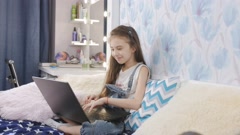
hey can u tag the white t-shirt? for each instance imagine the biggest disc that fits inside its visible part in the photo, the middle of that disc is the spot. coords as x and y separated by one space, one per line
123 79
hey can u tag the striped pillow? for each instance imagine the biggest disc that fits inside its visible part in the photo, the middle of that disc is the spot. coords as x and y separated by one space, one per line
158 93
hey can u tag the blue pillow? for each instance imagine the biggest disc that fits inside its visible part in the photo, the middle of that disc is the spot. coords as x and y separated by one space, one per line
158 93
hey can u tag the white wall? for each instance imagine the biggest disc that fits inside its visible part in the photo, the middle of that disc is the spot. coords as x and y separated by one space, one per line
113 19
64 27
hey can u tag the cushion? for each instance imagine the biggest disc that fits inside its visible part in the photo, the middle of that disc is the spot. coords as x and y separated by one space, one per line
158 93
197 107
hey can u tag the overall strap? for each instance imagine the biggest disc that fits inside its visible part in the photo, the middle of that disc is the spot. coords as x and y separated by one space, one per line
131 78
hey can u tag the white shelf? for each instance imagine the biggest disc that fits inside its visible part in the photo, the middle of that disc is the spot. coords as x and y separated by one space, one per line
85 21
94 1
59 71
78 43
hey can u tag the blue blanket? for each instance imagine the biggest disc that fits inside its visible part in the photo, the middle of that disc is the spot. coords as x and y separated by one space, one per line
26 127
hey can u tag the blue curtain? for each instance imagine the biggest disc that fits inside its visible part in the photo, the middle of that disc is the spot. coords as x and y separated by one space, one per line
24 38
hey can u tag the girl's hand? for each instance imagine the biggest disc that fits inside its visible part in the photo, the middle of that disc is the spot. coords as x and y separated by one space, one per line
94 103
89 98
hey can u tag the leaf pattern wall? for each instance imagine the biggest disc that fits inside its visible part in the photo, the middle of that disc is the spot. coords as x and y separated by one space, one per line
196 39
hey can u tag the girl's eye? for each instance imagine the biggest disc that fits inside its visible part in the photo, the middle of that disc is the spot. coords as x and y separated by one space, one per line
119 48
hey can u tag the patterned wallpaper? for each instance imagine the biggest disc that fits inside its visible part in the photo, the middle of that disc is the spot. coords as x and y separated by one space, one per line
196 39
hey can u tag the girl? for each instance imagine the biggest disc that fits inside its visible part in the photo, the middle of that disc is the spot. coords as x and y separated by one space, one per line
126 55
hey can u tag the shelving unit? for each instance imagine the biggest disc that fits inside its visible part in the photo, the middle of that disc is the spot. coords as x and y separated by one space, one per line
78 43
86 22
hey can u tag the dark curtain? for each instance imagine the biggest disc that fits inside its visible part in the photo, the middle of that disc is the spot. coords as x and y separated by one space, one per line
26 36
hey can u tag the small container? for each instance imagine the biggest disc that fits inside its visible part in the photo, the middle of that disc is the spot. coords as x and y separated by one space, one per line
84 38
61 62
85 64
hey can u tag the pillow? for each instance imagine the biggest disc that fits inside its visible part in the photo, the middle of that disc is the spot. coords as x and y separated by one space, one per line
158 93
24 102
199 107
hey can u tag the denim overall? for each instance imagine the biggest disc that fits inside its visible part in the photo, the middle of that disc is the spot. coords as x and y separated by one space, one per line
101 127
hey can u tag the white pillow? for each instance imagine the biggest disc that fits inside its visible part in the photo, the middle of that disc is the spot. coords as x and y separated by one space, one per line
204 108
24 102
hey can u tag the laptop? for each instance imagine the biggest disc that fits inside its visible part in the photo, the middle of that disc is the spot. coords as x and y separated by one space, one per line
63 102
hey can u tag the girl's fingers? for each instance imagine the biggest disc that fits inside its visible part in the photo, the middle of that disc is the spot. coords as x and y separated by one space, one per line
89 105
85 106
90 109
92 105
89 98
87 101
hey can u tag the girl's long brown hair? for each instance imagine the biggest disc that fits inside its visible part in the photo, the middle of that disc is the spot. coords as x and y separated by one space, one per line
128 33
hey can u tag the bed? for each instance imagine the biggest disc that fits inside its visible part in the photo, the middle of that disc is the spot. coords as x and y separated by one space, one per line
16 126
23 109
198 108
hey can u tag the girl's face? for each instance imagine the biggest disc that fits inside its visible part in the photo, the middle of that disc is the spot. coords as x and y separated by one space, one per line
121 50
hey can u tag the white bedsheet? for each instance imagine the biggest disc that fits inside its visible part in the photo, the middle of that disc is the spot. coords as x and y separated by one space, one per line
26 101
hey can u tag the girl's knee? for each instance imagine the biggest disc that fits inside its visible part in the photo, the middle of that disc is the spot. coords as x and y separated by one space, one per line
101 127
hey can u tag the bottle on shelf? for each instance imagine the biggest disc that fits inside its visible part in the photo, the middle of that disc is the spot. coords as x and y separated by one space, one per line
79 34
84 12
74 34
74 12
81 57
78 54
79 10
